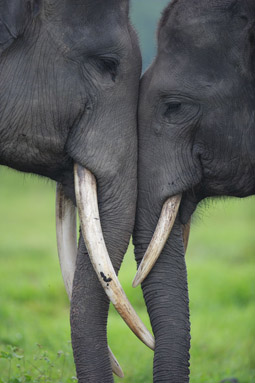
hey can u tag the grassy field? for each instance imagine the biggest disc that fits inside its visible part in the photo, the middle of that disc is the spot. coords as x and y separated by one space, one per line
34 309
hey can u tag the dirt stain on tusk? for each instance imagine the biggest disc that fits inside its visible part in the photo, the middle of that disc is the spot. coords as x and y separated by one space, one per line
106 280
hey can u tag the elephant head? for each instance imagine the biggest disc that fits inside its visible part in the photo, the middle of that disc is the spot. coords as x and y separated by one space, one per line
69 79
196 134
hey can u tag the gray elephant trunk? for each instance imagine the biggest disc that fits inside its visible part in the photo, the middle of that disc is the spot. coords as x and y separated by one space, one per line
166 295
89 309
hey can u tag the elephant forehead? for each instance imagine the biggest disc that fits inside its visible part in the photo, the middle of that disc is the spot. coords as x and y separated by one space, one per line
179 75
92 25
205 24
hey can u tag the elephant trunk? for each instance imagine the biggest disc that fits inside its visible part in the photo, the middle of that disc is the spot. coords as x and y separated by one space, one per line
89 311
165 292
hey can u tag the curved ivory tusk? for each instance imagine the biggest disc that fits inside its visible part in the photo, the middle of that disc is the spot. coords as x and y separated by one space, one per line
66 237
86 198
185 234
67 251
115 365
160 236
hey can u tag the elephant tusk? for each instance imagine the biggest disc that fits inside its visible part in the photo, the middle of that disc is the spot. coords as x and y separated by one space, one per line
67 251
66 237
160 236
185 234
86 198
116 368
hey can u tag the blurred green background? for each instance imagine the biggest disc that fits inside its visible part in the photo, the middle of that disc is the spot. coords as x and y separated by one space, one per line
34 309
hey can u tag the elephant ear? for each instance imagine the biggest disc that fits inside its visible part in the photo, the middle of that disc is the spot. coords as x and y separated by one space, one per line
14 16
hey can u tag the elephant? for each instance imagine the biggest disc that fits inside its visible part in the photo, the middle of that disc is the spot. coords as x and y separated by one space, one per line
196 139
69 83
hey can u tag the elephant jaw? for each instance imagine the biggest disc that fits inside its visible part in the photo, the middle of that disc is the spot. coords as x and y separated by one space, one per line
86 198
161 234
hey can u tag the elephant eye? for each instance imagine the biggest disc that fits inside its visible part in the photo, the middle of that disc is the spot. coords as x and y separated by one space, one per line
177 113
108 65
173 107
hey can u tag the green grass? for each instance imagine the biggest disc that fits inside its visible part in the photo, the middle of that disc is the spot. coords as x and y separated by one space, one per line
34 309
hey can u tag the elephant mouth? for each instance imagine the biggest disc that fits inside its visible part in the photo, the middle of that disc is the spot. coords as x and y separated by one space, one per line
87 203
172 206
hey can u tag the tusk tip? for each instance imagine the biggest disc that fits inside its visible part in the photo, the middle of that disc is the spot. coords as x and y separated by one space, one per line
120 374
116 368
118 371
137 280
151 343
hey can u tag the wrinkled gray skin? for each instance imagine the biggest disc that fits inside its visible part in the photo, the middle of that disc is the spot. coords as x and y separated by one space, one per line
69 77
196 137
